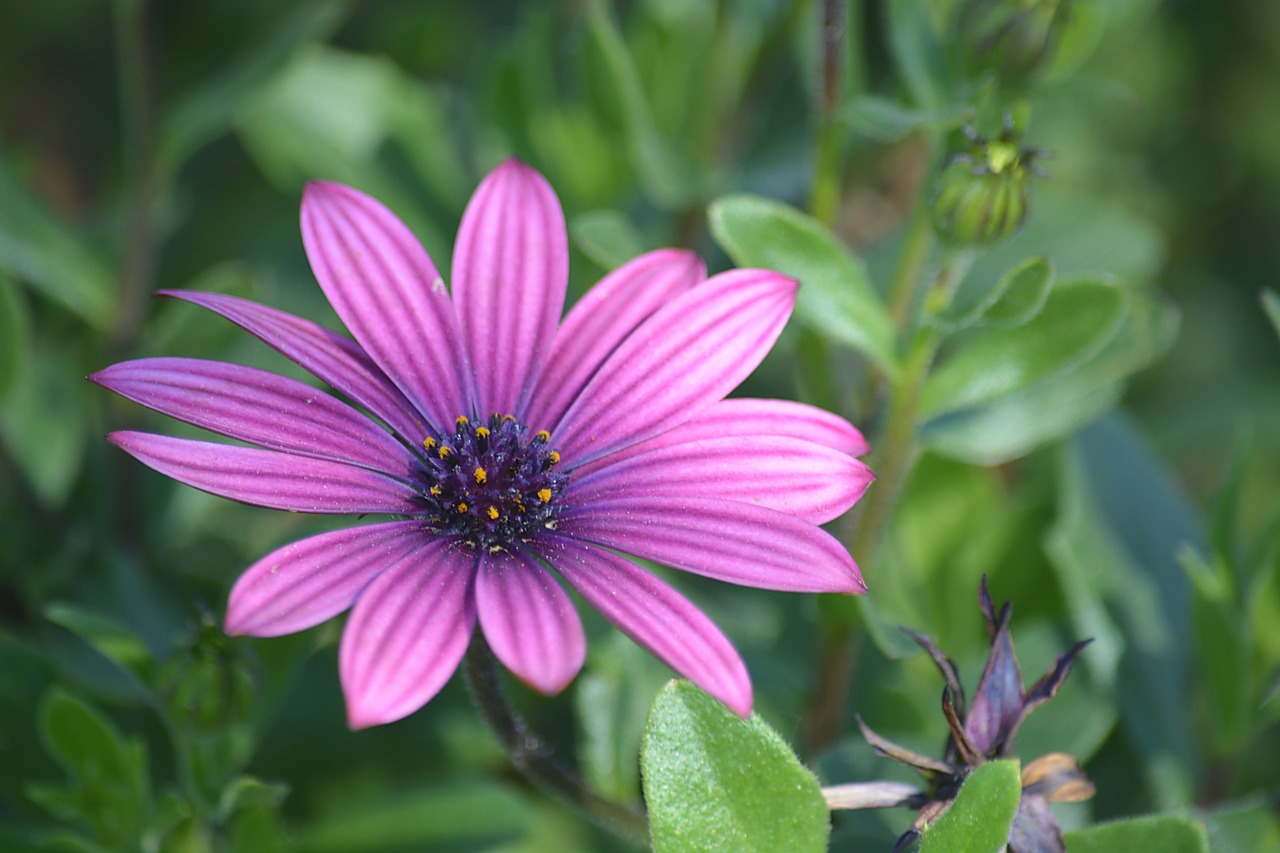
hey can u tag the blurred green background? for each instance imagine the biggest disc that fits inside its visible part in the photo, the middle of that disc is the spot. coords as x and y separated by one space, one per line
146 145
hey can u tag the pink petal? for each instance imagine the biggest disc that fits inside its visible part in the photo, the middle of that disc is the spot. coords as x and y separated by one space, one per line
386 290
308 582
789 475
746 416
408 631
510 271
258 407
684 358
328 356
601 320
655 616
529 621
728 541
267 477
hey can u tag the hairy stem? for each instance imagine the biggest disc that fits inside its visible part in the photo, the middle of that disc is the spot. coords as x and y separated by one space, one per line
533 760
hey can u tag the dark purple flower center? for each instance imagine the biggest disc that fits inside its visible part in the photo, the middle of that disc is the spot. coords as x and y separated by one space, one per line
491 484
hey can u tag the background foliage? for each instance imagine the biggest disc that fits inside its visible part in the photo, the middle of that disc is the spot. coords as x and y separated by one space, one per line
1097 431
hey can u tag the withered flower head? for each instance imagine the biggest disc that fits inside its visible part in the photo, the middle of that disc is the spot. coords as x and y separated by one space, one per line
981 731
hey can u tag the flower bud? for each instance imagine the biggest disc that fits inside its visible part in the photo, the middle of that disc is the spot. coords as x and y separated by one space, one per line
982 195
1014 38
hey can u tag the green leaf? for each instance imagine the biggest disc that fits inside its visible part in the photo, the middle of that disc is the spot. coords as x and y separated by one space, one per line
43 418
246 792
113 640
836 297
44 253
917 51
1167 834
1271 306
1021 293
205 112
460 813
714 782
1222 646
982 814
606 237
1078 319
886 120
15 324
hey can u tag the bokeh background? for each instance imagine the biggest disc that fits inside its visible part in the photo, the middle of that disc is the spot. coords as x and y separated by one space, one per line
148 145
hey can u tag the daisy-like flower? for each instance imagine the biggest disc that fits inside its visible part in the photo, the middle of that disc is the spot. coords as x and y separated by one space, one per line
507 447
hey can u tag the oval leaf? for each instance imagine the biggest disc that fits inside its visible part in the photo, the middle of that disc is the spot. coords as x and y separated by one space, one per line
1079 318
982 814
714 782
1167 834
836 297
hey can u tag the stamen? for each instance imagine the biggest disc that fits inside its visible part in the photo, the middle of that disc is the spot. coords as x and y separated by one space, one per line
554 457
462 506
482 432
436 490
462 421
481 476
493 513
445 452
544 495
542 436
429 443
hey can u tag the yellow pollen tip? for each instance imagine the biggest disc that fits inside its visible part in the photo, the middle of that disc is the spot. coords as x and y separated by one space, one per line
481 476
445 452
436 490
462 506
462 421
544 495
429 443
493 512
483 432
554 457
508 417
542 435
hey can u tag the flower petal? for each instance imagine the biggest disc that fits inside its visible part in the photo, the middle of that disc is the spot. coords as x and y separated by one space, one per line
1035 828
258 407
728 541
330 357
654 615
601 320
510 271
789 475
997 703
685 357
407 633
529 621
308 582
386 290
267 477
747 416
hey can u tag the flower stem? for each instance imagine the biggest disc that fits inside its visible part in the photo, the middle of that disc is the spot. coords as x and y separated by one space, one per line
533 760
824 201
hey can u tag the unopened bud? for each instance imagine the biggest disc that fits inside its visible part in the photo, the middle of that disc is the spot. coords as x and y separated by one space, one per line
1014 38
983 194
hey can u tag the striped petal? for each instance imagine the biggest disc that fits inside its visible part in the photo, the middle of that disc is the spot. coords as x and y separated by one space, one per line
655 616
529 621
267 477
510 271
789 475
407 633
328 356
684 358
728 541
602 319
388 293
308 582
258 407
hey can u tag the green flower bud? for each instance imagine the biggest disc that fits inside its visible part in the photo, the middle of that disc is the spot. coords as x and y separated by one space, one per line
982 195
1014 38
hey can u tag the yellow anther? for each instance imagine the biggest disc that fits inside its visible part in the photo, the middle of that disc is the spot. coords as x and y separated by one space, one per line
493 512
462 506
481 476
554 457
544 495
542 435
462 421
482 432
429 443
508 417
445 452
436 490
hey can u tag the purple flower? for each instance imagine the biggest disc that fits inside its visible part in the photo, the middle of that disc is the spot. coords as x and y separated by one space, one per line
506 444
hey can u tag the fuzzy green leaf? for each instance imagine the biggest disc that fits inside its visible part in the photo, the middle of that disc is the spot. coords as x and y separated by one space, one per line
714 782
1167 834
1271 305
836 297
979 819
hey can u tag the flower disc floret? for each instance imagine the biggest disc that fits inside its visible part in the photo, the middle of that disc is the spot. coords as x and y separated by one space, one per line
492 485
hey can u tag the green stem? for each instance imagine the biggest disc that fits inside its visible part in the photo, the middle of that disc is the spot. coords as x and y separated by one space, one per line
533 760
824 200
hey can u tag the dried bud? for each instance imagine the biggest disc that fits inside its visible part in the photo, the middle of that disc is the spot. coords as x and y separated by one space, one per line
983 195
1014 38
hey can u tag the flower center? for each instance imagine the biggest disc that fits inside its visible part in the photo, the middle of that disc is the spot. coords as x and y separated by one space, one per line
491 484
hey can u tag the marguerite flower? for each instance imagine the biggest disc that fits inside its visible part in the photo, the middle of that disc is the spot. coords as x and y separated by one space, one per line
507 447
